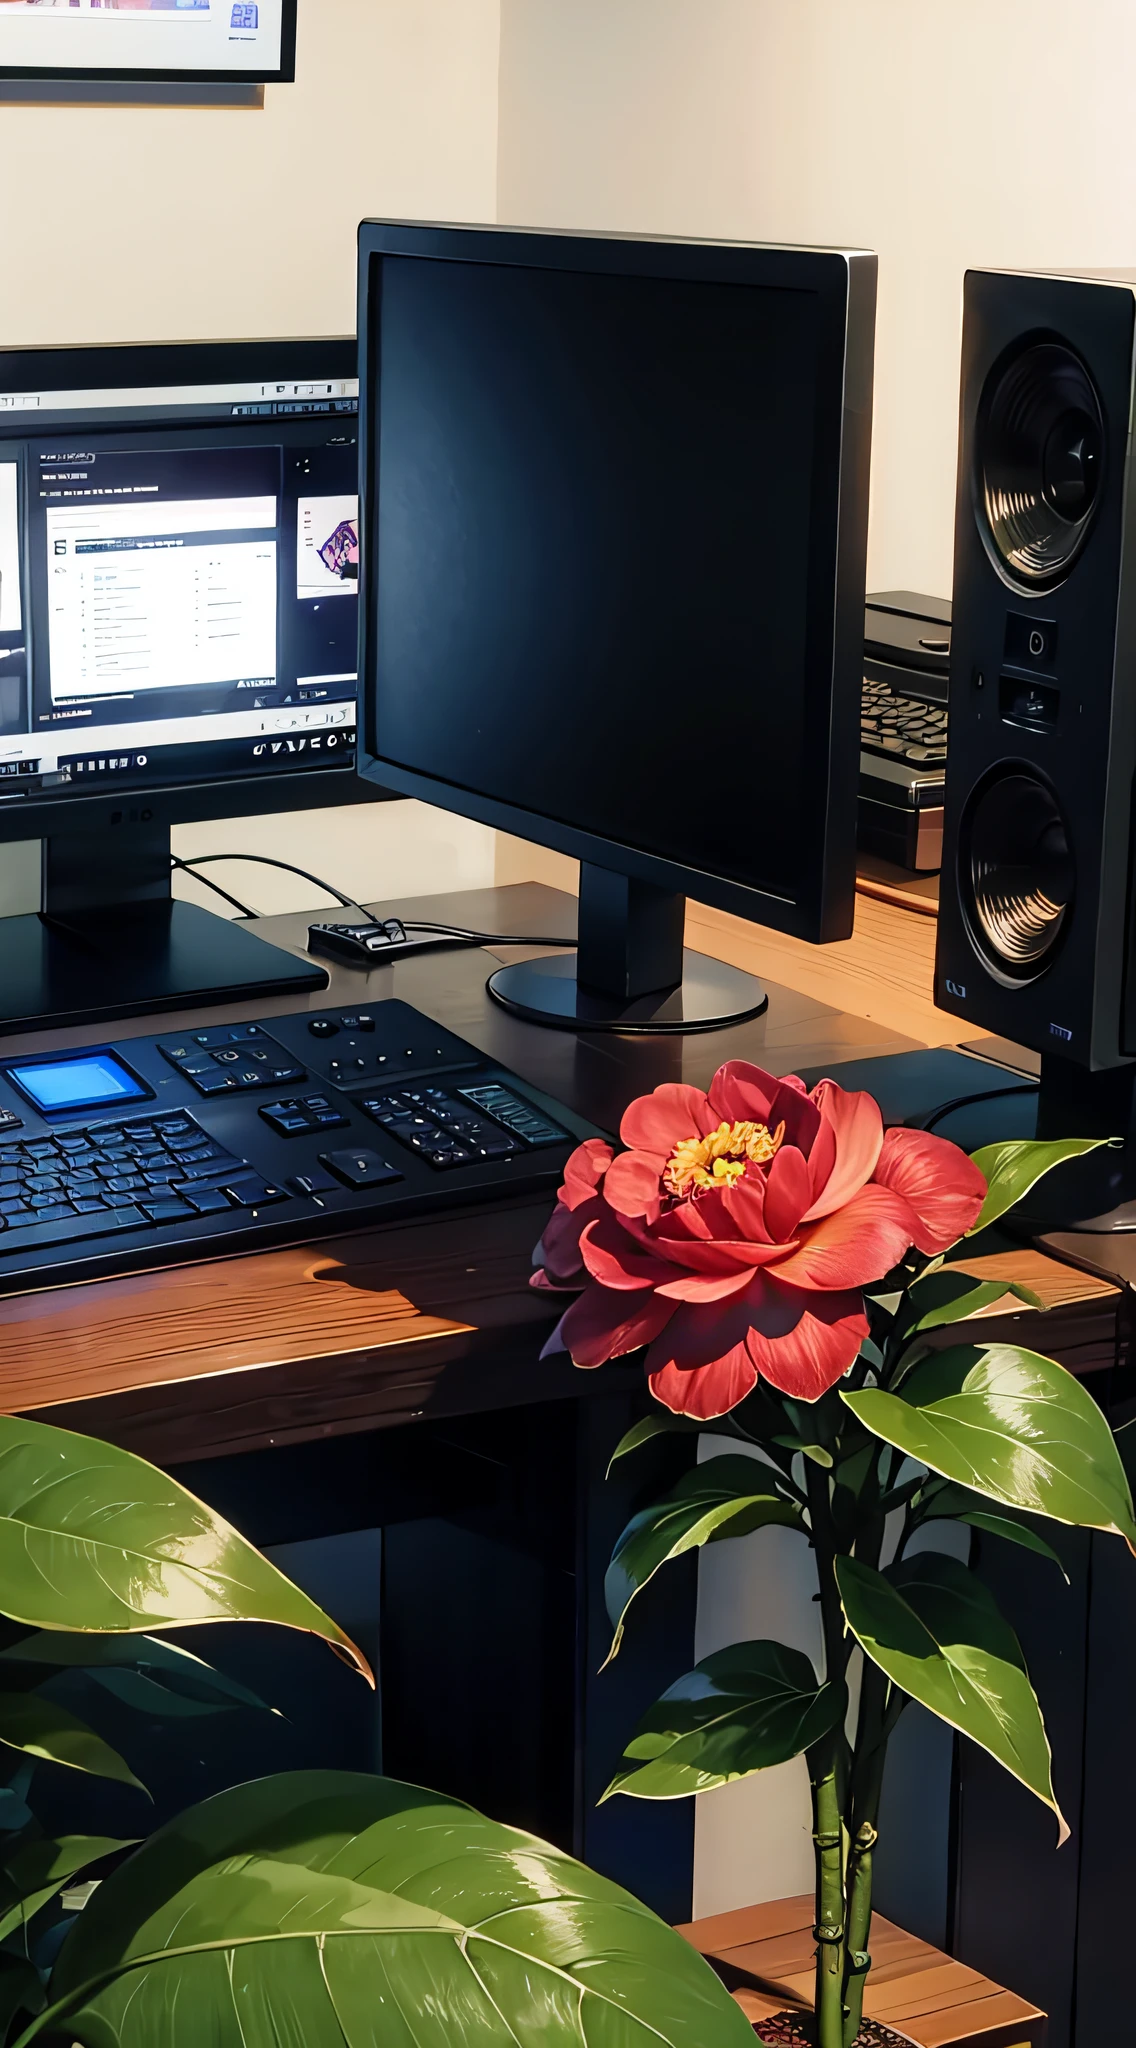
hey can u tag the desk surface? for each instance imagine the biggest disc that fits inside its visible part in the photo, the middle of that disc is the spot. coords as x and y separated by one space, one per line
385 1325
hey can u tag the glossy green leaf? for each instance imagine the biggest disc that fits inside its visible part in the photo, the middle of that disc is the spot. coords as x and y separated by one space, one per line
934 1629
43 1729
742 1710
36 1872
166 1663
1012 1168
950 1296
337 1911
958 1504
1013 1426
728 1496
646 1431
93 1538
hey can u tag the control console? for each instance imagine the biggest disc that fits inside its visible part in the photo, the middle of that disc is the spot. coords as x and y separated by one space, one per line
183 1146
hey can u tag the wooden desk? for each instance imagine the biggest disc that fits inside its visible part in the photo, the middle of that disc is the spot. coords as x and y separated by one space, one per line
377 1326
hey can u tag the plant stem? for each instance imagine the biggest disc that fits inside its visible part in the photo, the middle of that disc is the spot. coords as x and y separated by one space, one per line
828 1771
867 1780
828 1842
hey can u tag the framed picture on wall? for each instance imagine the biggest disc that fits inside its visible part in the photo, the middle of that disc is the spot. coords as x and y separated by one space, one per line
250 42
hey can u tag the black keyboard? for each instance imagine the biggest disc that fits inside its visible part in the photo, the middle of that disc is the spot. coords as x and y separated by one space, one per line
905 728
176 1147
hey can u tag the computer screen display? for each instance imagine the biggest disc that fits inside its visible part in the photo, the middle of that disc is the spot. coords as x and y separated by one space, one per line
179 556
156 39
601 550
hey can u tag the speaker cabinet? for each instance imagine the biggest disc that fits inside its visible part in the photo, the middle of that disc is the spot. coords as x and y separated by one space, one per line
1035 918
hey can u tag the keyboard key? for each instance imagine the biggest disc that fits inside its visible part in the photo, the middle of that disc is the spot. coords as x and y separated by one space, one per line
67 1228
254 1193
359 1169
51 1211
89 1205
167 1208
314 1182
207 1201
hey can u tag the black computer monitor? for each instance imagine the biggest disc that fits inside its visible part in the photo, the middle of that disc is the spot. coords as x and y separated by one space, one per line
615 501
178 640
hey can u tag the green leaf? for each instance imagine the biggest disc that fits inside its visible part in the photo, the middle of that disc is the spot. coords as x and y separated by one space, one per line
1012 1168
645 1432
43 1729
342 1911
729 1496
936 1632
93 1538
956 1504
950 1295
166 1665
1012 1425
40 1869
742 1710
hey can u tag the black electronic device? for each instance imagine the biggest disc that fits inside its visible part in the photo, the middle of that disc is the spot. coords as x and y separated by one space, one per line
1037 900
903 728
612 581
166 1149
373 942
178 628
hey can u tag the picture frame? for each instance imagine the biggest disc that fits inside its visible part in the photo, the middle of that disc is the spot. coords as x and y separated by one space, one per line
191 42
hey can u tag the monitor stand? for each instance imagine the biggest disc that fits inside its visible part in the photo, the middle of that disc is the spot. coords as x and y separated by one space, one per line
629 971
109 941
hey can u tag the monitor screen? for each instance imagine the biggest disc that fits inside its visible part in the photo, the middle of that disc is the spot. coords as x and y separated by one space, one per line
601 552
179 560
155 39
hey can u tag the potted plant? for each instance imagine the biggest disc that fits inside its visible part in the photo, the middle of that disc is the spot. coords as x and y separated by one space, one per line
331 1910
784 1262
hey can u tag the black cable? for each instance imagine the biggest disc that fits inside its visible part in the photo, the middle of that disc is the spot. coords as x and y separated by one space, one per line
449 931
188 869
966 1102
266 860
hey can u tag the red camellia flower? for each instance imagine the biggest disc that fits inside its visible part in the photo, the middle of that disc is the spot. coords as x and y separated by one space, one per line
735 1234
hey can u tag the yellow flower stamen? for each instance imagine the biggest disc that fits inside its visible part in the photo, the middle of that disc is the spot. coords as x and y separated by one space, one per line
721 1159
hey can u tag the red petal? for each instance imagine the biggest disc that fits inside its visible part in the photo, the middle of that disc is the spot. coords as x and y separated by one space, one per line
560 1245
700 1333
632 1183
659 1122
822 1158
859 1131
711 1391
615 1260
724 1257
940 1184
707 1286
859 1244
740 1093
602 1325
798 1112
744 1204
788 1192
688 1220
584 1172
805 1351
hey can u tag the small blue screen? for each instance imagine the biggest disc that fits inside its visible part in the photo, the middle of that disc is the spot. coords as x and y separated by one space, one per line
85 1083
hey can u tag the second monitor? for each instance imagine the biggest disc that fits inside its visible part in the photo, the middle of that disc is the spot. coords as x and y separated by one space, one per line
614 530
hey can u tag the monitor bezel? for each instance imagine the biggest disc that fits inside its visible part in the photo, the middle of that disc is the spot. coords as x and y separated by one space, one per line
255 75
844 282
139 365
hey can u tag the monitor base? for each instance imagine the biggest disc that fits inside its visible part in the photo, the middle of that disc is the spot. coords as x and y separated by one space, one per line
710 996
1096 1194
126 959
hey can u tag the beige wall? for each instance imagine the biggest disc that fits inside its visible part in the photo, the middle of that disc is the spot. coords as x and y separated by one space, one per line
938 134
141 223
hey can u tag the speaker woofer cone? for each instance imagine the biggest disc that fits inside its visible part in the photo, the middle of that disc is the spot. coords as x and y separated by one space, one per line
1016 873
1039 454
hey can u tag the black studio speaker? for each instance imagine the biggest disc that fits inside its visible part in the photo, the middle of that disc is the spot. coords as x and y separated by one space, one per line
1036 938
